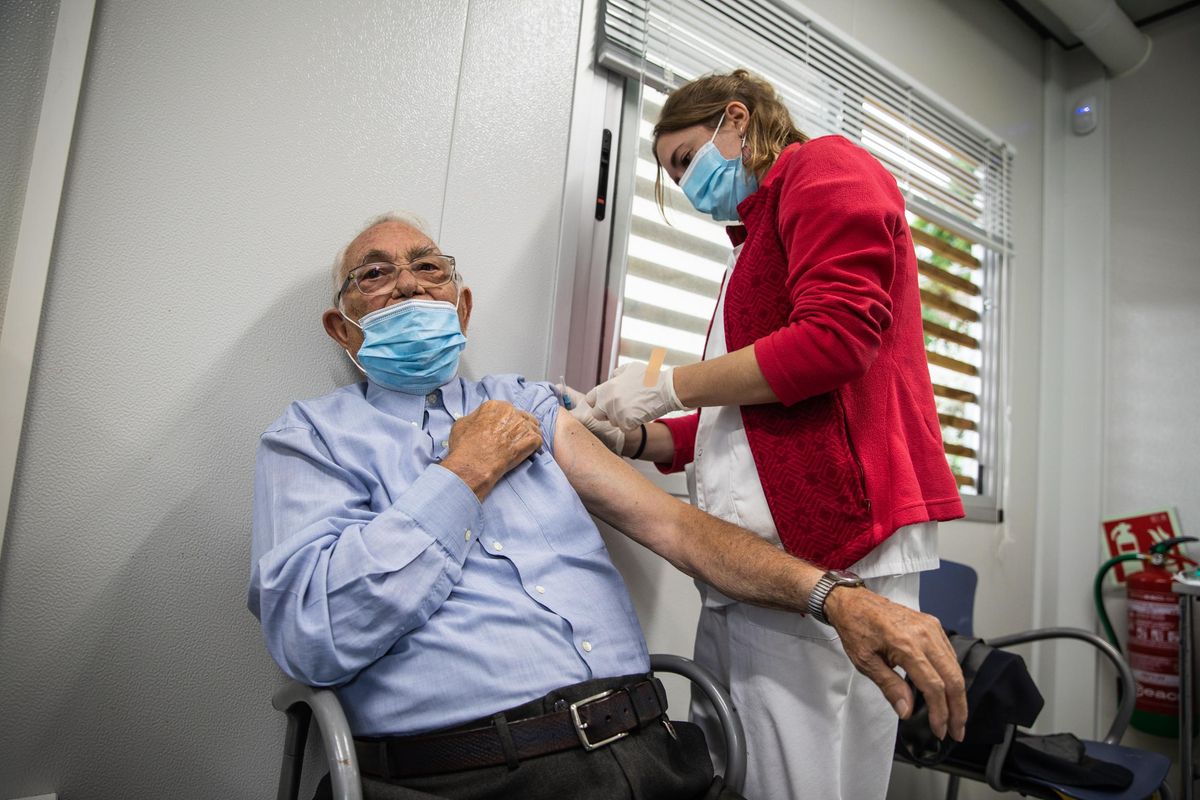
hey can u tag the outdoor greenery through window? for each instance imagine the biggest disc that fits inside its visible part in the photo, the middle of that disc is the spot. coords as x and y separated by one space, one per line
949 272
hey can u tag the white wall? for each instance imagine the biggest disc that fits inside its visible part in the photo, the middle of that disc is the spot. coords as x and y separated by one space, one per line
1119 333
26 34
1151 376
223 152
1152 430
1069 450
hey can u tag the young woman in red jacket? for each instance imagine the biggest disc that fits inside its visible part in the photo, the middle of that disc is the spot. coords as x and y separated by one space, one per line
817 427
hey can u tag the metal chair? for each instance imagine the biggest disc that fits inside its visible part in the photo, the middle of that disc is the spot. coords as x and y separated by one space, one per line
949 594
302 703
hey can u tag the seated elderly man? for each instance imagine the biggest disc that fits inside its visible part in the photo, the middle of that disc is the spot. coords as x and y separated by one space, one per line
423 544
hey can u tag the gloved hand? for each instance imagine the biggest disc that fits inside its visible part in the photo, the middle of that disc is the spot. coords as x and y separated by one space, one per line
626 401
612 436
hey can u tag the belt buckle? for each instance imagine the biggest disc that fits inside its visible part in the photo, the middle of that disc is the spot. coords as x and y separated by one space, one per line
581 726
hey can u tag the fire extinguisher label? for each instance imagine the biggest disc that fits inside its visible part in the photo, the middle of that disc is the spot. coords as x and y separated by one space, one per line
1153 626
1157 683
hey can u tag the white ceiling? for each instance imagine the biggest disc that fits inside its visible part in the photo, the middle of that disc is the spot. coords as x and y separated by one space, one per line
1137 10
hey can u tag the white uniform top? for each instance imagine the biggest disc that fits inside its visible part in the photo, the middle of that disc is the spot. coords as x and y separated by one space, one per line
723 480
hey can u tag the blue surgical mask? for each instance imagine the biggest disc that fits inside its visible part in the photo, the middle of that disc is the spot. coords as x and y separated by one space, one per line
411 347
716 184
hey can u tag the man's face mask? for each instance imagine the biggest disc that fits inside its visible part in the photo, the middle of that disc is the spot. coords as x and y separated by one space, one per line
411 347
715 184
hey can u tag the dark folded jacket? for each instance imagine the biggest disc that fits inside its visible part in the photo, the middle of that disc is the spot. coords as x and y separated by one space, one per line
1001 693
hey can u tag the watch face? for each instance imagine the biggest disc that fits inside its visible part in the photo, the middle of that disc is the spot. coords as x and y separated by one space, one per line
845 577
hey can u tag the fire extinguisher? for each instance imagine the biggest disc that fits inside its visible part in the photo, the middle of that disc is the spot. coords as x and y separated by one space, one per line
1153 636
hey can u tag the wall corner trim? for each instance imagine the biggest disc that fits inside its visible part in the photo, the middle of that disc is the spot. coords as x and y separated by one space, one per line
35 237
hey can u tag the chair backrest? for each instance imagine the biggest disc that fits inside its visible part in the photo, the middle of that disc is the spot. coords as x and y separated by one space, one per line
948 593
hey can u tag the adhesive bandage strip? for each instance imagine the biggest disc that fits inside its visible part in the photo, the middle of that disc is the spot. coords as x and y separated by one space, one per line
657 356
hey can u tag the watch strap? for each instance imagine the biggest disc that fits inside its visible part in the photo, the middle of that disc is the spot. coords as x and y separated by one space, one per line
826 584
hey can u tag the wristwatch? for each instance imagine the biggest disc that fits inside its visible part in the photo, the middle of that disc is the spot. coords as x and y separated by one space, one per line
827 583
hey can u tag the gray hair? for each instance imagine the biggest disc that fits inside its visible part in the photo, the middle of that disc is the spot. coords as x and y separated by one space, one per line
411 220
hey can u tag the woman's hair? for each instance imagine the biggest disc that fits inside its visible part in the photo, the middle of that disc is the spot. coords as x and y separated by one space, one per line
768 131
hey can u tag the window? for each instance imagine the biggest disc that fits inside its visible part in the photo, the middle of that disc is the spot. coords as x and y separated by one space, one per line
955 178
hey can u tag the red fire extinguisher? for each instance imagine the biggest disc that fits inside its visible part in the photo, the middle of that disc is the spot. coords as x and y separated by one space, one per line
1153 636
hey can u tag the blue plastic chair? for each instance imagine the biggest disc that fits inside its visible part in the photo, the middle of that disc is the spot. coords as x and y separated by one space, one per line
948 593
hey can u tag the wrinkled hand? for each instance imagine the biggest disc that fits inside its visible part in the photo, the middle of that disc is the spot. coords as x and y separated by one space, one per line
612 436
878 634
490 441
626 401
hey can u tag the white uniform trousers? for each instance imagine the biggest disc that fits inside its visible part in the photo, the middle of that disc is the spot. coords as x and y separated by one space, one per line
815 726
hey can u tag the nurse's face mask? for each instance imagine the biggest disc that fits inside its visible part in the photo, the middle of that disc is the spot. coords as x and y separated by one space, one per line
716 185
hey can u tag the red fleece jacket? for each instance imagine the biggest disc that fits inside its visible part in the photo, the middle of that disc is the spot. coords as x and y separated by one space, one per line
825 290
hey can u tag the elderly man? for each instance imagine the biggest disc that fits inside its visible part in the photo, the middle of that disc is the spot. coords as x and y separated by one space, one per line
423 543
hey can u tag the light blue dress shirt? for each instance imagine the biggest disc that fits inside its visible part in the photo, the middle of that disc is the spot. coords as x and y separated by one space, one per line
377 571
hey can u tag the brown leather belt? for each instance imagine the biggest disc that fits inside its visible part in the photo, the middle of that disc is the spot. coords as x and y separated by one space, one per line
589 723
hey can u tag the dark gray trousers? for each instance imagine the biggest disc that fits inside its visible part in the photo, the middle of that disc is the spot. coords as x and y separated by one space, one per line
649 764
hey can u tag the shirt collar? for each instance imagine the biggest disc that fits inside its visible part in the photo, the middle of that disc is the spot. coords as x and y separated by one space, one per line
411 407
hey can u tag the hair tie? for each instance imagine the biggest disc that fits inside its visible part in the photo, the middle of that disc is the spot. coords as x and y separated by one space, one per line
641 447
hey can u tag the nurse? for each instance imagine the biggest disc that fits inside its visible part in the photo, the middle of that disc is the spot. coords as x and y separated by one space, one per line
817 426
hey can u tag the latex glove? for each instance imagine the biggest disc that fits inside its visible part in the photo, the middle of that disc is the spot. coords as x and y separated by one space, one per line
627 402
612 436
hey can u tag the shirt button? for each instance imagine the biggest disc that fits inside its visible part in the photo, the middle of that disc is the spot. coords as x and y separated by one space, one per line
497 546
445 442
540 589
415 425
467 534
431 399
587 646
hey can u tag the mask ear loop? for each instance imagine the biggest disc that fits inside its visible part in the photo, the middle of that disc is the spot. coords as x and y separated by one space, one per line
713 139
720 122
355 360
346 350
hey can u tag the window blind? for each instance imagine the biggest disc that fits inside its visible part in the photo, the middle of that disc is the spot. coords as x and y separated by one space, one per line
950 170
955 177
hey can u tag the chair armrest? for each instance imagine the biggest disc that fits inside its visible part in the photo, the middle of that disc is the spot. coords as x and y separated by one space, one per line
300 702
735 737
1124 674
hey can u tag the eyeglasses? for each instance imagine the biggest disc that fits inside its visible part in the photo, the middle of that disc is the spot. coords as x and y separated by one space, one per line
380 277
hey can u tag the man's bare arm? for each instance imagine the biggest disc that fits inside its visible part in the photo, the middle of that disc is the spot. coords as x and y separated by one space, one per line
876 634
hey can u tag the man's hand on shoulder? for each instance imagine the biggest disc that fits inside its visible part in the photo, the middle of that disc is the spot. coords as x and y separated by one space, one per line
878 635
490 441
